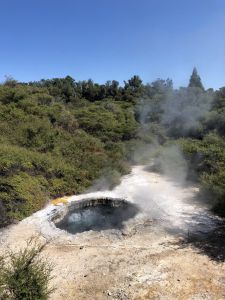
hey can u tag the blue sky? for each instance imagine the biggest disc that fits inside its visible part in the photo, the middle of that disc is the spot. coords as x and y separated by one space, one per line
113 39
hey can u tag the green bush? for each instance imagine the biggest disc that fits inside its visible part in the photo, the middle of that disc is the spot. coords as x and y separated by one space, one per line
109 121
207 159
25 275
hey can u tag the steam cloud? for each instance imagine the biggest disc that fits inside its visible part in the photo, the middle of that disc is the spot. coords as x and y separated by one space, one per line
181 111
185 107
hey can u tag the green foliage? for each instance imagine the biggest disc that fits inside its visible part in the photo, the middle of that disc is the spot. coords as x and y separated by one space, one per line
29 178
195 80
24 275
207 158
21 195
109 121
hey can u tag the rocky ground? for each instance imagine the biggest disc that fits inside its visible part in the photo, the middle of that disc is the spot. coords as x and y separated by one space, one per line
164 253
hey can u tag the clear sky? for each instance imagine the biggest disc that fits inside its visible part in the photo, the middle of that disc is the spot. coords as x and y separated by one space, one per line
113 39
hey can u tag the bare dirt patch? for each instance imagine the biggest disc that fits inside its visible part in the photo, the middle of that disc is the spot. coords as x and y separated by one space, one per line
149 259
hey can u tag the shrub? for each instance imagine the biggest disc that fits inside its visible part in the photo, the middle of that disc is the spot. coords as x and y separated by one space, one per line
206 158
25 275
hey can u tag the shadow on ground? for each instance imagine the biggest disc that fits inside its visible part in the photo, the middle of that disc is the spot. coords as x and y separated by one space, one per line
211 243
200 228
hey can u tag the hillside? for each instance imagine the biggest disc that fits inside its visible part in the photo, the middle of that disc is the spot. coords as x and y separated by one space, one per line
59 136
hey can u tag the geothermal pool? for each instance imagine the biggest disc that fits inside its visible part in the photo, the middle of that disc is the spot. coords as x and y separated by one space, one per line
145 196
96 214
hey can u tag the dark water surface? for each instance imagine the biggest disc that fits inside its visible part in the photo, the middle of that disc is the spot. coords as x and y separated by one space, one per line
97 218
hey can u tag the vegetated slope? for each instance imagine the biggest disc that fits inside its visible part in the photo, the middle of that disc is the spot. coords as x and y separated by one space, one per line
59 135
54 142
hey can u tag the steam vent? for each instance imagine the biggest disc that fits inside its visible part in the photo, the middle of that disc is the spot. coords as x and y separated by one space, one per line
95 214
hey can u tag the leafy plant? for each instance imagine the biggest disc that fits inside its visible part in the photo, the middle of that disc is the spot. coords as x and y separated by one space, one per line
25 275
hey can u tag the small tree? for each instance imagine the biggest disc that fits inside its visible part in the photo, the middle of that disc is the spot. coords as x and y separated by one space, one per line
195 80
24 275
